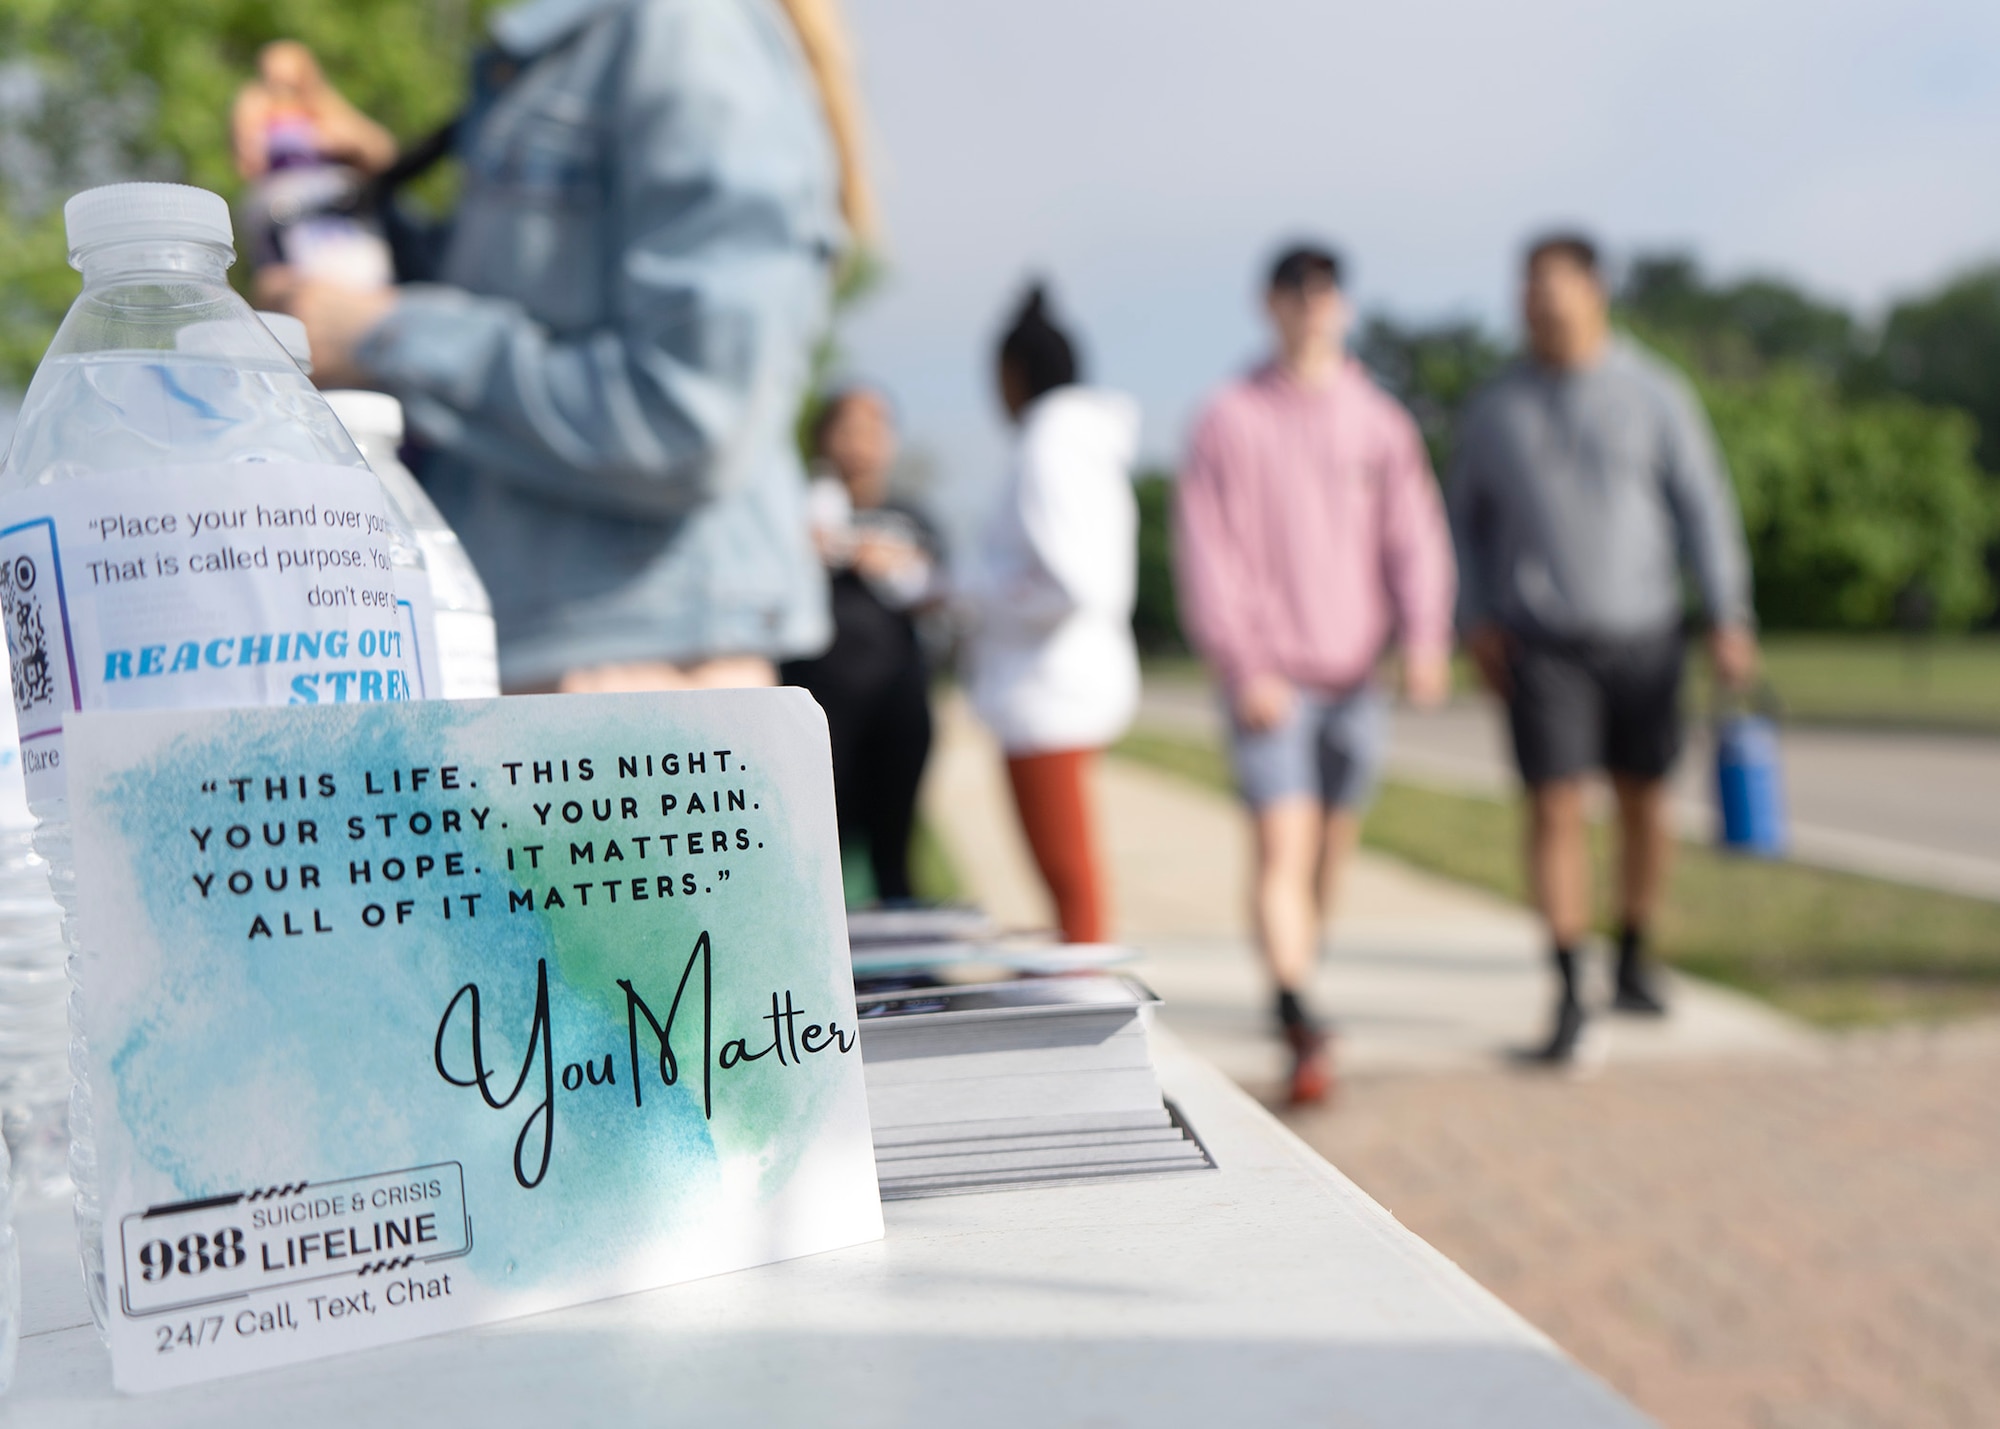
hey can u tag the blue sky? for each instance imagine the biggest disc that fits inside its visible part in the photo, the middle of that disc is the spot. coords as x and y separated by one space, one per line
1145 154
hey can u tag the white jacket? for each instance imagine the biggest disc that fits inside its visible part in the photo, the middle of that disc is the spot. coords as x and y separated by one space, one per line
1052 663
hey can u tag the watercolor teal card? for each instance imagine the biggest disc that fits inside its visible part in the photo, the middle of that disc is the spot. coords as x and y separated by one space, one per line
408 1017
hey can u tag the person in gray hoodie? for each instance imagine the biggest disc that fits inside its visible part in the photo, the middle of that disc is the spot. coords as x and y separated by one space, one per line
603 380
1587 480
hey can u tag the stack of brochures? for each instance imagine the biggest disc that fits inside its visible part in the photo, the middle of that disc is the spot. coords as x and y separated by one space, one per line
1038 1081
908 947
893 926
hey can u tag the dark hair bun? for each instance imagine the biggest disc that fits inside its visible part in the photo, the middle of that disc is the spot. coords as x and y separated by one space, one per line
1036 349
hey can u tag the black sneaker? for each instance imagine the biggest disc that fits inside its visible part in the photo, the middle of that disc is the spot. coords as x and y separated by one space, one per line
1560 1049
1637 995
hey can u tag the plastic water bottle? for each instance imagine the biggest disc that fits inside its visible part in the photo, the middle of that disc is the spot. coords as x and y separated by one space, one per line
468 657
457 655
34 1028
183 523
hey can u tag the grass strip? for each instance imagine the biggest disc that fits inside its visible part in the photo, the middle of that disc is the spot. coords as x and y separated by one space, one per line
1944 682
1835 948
933 876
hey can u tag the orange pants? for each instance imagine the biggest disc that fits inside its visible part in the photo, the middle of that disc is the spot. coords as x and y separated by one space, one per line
1053 793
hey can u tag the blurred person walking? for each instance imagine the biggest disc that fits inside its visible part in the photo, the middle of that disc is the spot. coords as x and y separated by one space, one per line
603 381
1309 532
1586 477
1054 670
882 557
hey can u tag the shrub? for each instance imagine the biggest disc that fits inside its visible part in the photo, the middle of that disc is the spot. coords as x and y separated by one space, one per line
1857 510
1156 621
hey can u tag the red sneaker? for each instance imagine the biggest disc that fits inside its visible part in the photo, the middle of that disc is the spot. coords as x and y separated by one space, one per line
1313 1078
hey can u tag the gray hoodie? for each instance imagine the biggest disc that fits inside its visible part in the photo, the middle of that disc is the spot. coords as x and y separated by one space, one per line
1577 498
605 381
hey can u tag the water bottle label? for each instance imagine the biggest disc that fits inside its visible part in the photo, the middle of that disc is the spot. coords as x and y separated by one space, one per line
199 586
417 618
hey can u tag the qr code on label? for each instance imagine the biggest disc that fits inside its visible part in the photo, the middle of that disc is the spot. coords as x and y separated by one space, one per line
27 632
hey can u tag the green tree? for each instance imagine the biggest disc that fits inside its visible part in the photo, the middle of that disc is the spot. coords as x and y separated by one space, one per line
1856 509
1862 502
102 90
1737 329
1945 348
1432 370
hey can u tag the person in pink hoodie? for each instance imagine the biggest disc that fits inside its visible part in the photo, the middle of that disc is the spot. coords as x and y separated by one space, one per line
1309 535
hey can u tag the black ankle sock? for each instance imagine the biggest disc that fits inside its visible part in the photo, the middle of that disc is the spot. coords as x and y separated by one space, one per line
1565 960
1631 950
1291 1011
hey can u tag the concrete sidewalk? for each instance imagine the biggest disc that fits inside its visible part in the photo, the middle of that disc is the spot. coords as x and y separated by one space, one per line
1421 973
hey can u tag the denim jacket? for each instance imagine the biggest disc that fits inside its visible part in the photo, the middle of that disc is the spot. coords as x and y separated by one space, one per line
603 385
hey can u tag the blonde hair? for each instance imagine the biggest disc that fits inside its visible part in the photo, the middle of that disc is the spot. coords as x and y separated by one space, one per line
822 35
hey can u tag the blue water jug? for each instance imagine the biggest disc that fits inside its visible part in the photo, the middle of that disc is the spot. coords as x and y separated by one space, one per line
1749 785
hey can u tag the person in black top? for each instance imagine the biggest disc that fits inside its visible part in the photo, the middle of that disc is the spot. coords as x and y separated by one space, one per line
883 563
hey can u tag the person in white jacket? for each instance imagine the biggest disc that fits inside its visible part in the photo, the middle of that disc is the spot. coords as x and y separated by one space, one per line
1053 669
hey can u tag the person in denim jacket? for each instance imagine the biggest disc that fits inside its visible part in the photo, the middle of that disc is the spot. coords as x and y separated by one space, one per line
603 382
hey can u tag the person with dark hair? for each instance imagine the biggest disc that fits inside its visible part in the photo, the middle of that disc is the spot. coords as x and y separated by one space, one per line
1587 477
1304 266
1578 249
1308 533
882 557
1053 668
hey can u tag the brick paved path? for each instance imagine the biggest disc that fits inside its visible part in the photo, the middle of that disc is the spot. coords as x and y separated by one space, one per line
1764 1245
1744 1227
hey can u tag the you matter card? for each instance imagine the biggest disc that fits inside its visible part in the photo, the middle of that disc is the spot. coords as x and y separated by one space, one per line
410 1017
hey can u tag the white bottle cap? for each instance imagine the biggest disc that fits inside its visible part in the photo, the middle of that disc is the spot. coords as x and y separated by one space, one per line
123 213
291 335
374 414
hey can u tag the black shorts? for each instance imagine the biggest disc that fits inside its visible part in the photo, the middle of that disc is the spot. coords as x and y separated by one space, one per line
1579 705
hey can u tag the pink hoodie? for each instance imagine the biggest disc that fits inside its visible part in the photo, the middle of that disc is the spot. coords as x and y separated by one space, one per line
1308 528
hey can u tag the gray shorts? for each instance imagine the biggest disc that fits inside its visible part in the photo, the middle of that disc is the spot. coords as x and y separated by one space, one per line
1330 750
